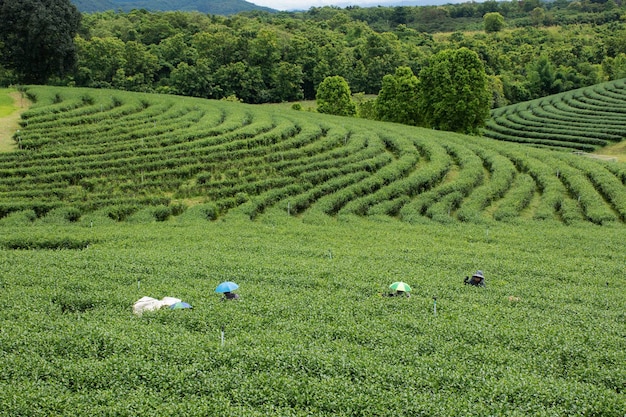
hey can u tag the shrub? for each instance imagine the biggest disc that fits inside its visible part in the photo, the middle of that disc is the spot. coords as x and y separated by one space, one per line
121 212
178 209
162 213
22 217
25 242
63 215
210 211
87 99
72 303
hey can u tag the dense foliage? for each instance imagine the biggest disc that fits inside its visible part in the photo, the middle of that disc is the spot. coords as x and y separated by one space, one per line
334 97
453 92
494 22
310 334
221 7
37 38
274 57
398 98
86 150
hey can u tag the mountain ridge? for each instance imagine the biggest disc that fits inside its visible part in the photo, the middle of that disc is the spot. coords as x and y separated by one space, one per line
219 7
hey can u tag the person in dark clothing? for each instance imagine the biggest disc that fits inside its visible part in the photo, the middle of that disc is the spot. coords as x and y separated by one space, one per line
477 279
398 294
230 296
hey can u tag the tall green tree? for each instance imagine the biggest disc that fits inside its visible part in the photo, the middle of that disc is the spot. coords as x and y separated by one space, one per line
243 81
454 93
194 80
541 76
38 38
493 22
100 59
397 100
380 54
286 82
334 97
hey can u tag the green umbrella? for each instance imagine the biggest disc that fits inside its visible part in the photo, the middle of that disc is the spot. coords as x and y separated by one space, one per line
400 286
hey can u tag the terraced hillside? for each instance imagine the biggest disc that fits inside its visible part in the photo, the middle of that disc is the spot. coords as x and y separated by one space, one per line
585 119
82 150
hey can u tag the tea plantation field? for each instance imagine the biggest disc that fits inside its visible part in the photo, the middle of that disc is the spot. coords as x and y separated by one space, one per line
108 196
80 151
584 119
311 335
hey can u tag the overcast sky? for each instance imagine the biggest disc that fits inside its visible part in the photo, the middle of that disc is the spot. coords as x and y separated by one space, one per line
307 4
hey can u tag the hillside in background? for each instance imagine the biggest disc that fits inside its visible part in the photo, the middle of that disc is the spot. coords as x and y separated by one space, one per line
83 150
217 7
583 119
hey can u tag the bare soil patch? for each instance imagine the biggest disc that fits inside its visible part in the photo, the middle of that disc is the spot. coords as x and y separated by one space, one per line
616 152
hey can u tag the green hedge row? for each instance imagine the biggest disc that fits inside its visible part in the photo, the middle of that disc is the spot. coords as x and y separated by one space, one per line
546 177
502 172
607 185
585 130
545 135
581 189
587 116
516 199
466 174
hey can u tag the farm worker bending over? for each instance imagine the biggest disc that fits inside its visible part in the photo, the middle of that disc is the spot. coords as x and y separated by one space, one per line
398 293
477 279
230 296
400 289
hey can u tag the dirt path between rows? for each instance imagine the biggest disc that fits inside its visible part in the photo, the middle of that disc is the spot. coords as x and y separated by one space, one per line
10 124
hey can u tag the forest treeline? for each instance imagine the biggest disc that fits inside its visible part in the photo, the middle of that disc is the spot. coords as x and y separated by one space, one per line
221 7
259 57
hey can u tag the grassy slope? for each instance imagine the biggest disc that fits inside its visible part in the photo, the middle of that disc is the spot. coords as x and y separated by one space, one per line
617 151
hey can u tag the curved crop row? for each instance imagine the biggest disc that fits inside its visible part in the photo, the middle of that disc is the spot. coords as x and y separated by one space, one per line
118 152
583 119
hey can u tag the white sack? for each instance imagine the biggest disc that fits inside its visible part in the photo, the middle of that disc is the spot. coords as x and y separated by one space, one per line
151 304
146 304
168 301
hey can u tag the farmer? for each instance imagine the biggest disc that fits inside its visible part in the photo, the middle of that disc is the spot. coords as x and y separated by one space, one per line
398 293
230 296
477 279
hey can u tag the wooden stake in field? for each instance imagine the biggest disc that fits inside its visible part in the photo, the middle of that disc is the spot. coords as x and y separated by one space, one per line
222 336
435 306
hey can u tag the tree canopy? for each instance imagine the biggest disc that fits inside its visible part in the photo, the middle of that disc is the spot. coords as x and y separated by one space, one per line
261 57
398 98
494 22
453 93
334 97
37 38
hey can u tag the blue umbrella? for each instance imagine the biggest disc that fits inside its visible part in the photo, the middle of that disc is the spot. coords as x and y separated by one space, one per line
227 286
179 305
